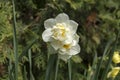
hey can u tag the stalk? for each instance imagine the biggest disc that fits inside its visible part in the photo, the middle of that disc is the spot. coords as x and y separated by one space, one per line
15 42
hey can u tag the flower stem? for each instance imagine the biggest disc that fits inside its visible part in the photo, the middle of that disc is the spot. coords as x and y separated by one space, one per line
69 69
56 70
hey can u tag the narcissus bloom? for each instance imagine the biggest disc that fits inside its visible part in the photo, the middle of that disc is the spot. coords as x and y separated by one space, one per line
60 32
113 73
116 57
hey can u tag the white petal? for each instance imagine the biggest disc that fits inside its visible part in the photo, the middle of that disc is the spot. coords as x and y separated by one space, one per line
68 40
75 40
64 57
49 23
73 26
62 17
62 51
46 35
74 50
56 44
76 37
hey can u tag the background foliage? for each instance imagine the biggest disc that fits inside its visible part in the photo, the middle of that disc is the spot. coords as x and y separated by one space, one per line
99 23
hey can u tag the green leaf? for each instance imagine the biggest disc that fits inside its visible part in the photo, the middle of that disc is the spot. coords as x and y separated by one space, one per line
90 1
76 59
50 66
106 16
96 38
24 53
30 65
92 70
101 61
112 4
110 58
75 4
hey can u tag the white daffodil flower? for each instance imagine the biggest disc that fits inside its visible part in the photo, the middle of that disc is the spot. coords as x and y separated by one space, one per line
69 49
61 33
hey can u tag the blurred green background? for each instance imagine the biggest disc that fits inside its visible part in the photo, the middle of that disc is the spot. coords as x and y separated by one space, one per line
99 23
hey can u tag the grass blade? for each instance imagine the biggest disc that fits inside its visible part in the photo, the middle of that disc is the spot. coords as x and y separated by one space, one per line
15 41
108 64
110 59
30 65
69 69
10 71
26 49
91 73
24 73
101 61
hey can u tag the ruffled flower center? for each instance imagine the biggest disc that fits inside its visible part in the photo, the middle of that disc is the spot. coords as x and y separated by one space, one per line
59 31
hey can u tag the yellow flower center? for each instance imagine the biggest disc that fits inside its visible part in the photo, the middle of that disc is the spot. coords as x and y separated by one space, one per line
67 46
59 31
